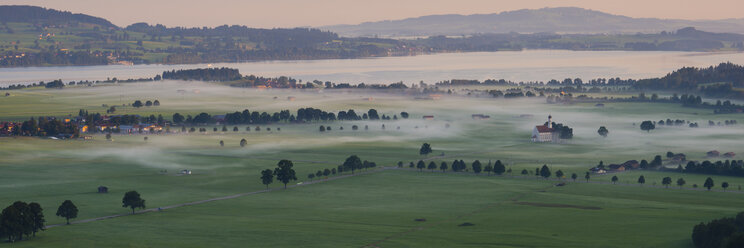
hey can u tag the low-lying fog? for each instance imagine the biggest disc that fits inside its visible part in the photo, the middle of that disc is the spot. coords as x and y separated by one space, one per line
511 122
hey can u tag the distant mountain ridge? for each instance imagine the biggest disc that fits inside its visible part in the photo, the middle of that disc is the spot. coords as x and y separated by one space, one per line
34 14
545 20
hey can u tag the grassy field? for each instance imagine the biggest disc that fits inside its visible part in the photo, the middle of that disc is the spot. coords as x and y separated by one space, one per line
377 209
380 210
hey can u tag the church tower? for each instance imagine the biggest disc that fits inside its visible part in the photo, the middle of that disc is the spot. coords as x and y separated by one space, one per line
550 121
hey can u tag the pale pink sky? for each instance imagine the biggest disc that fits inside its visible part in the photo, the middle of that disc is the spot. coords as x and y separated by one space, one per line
293 13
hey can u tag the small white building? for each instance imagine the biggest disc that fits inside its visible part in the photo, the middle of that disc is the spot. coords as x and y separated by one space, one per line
545 133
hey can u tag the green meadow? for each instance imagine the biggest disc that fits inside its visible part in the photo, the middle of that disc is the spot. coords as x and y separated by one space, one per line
378 209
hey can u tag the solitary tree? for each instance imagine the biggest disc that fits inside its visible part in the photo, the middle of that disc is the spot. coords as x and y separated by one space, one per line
647 126
222 143
545 171
603 131
525 172
477 168
400 164
587 176
67 210
432 166
352 163
724 185
559 174
614 179
574 176
443 166
243 142
498 167
420 165
132 200
641 180
666 181
681 182
488 168
310 176
284 172
709 183
425 149
267 177
37 217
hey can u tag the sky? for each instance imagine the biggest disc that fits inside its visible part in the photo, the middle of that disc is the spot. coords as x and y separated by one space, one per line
304 13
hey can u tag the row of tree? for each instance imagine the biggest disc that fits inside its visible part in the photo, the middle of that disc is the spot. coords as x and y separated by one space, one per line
148 103
303 115
285 173
477 167
207 74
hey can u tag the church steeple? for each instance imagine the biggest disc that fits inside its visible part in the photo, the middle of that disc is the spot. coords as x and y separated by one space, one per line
550 121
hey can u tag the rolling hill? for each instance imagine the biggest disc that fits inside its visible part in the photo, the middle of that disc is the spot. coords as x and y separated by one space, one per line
39 15
549 20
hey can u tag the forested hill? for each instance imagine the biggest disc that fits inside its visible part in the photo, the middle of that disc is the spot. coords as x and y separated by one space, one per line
39 15
691 78
34 36
295 37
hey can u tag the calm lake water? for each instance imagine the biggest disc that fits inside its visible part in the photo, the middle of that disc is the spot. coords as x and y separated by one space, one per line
534 65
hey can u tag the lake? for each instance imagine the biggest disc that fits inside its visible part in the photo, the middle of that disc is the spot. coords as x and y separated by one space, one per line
530 65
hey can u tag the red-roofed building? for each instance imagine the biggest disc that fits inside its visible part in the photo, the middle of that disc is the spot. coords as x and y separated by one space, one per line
545 133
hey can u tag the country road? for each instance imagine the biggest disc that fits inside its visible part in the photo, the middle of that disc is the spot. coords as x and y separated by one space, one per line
219 198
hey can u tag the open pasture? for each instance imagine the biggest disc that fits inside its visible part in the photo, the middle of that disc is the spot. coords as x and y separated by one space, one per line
377 209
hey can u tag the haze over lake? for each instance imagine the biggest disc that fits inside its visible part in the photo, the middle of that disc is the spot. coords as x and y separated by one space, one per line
533 65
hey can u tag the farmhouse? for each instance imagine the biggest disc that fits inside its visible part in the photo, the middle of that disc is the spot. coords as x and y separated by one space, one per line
631 164
545 133
428 117
713 153
729 154
616 167
480 117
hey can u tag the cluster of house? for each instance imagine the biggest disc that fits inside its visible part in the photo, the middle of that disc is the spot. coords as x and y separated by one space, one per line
106 125
480 117
6 127
715 154
628 165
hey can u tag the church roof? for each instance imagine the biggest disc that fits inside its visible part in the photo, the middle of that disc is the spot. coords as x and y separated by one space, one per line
544 129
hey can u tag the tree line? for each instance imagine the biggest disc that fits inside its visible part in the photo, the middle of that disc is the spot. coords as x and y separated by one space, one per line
302 115
45 126
285 173
733 168
724 232
206 74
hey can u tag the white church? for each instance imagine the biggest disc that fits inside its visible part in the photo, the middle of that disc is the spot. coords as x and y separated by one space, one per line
545 133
